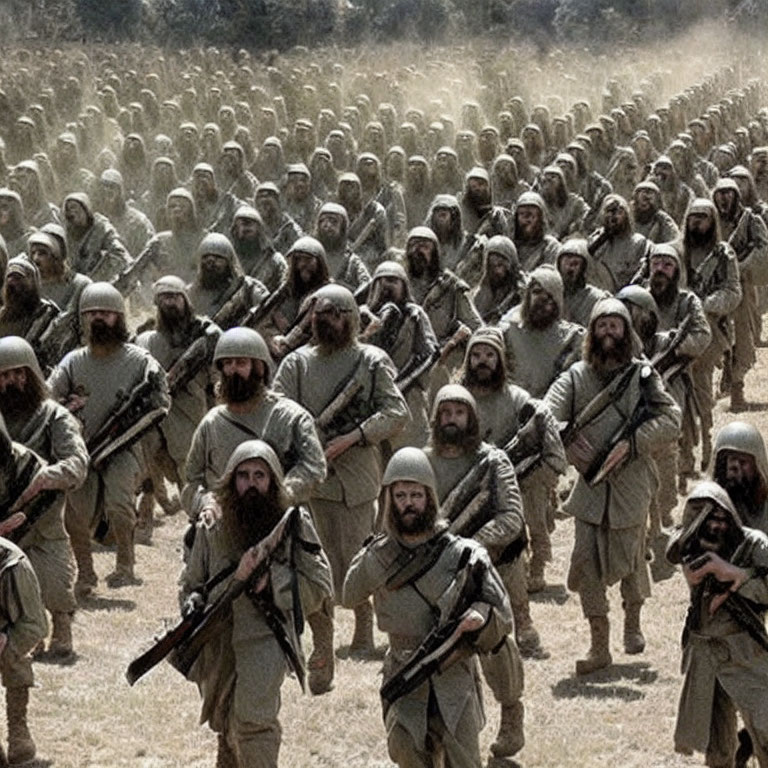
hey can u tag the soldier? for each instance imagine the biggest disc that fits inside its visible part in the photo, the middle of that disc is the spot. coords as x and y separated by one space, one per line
282 230
651 220
23 615
599 398
589 184
44 426
235 177
402 329
534 245
724 641
478 215
257 255
565 211
452 722
368 224
214 208
501 284
344 266
617 250
746 233
24 311
676 196
133 227
540 344
712 273
93 245
574 263
445 220
349 389
221 290
300 204
240 670
740 465
25 179
98 383
418 191
59 283
13 226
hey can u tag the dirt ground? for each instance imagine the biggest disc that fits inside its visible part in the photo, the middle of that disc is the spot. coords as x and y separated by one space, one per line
85 714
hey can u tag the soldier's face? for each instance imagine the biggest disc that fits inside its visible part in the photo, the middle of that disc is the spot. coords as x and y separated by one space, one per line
6 212
329 225
663 265
700 223
75 214
483 360
267 205
453 416
203 184
100 318
570 266
171 304
498 267
608 330
236 366
215 265
740 468
21 180
179 210
662 174
246 229
231 161
252 474
614 218
367 170
527 218
410 503
298 186
391 288
715 530
43 259
725 200
13 378
644 200
110 193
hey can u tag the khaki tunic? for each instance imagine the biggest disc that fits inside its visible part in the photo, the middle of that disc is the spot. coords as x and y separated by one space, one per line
611 516
408 615
134 228
660 229
617 260
99 253
532 255
577 307
172 253
344 504
277 420
208 302
347 269
54 434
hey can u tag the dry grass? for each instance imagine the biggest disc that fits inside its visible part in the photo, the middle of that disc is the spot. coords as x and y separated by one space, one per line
87 715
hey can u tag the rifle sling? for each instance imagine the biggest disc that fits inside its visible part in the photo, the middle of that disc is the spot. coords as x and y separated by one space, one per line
421 561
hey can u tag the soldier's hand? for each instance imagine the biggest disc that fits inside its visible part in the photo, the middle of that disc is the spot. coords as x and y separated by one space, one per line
278 347
194 603
41 482
75 403
248 562
339 444
11 523
471 621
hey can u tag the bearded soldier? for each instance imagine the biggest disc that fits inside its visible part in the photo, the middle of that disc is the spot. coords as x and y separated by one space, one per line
349 389
418 190
540 344
444 712
740 465
59 283
574 263
282 230
565 210
506 186
618 252
651 220
23 615
344 266
214 209
534 245
368 225
177 330
107 383
25 179
240 671
444 218
41 424
221 290
609 395
93 245
235 177
478 215
13 227
725 661
402 329
300 203
676 196
257 255
24 312
503 409
746 233
712 273
133 227
501 284
388 194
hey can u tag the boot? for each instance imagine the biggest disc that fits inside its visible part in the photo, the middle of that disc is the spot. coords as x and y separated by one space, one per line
738 403
21 748
526 636
123 575
61 639
536 581
321 661
225 756
87 580
599 654
634 642
362 639
510 739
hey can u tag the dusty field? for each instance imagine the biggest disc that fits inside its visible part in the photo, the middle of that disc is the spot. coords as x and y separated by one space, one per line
87 715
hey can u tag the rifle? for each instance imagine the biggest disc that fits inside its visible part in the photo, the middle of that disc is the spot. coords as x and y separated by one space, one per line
182 643
194 358
40 324
257 314
365 233
61 337
466 498
601 237
666 362
445 644
526 448
342 398
234 305
597 471
133 415
130 277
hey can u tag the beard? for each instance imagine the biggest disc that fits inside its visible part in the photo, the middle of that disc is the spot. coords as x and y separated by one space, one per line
539 315
453 436
332 242
302 287
498 282
250 517
419 266
484 377
606 359
100 334
20 301
697 239
421 522
211 278
531 233
743 493
173 322
236 389
663 290
645 215
16 402
328 339
479 198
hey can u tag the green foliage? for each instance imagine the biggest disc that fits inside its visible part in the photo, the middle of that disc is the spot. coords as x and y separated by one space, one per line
112 20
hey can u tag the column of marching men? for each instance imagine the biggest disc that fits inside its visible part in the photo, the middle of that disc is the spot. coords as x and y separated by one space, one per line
376 350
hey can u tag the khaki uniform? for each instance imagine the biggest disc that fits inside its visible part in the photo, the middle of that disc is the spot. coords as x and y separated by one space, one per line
240 672
344 504
65 293
347 268
447 708
610 517
660 229
616 261
173 253
533 255
54 434
98 252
